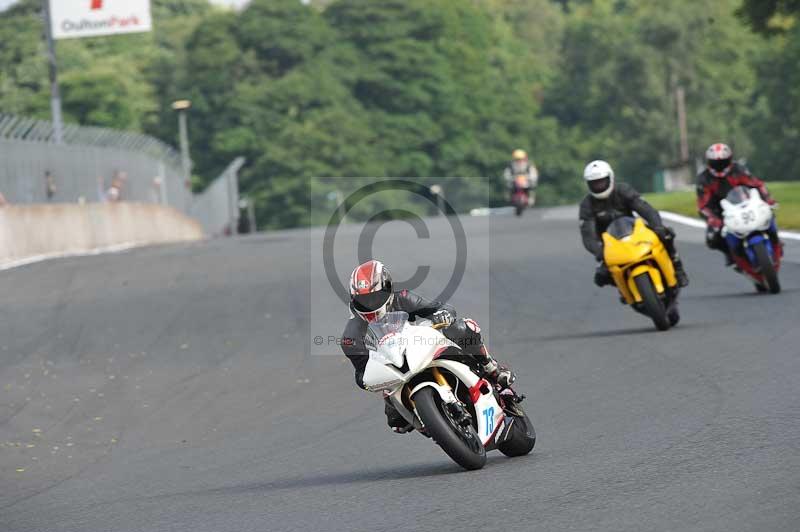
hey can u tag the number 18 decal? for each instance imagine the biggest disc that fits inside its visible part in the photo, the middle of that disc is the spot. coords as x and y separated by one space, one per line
488 415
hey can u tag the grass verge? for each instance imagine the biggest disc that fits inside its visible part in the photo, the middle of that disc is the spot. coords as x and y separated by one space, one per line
787 193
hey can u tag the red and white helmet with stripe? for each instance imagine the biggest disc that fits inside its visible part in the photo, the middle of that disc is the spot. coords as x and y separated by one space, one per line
371 290
719 159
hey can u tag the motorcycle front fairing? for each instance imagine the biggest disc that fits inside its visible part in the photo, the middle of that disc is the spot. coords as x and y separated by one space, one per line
745 244
748 221
490 415
745 212
399 350
630 249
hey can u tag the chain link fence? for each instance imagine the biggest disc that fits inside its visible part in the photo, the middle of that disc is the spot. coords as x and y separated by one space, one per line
217 207
97 164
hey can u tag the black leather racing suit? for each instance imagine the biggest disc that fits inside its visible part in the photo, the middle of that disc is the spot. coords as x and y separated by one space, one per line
597 214
463 332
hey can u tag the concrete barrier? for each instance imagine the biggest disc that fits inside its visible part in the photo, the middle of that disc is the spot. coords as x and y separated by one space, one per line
34 232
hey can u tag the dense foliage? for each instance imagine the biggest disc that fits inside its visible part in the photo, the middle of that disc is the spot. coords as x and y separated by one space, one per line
425 88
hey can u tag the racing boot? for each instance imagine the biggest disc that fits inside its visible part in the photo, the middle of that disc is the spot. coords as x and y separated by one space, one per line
395 420
728 260
602 277
680 273
502 376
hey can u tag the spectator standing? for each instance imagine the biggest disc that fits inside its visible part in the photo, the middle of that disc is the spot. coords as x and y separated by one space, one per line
50 187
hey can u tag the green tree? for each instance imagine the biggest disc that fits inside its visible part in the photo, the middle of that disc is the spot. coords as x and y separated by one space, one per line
775 116
23 68
621 65
770 16
114 81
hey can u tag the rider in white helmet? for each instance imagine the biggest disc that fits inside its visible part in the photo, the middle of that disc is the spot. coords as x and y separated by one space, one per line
608 201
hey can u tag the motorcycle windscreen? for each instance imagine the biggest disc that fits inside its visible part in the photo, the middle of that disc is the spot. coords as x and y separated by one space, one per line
621 227
391 323
738 195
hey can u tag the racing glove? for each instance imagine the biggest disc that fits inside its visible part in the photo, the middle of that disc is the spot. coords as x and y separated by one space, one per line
663 233
443 317
714 223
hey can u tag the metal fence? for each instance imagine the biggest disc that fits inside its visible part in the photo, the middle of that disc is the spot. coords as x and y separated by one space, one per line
217 207
96 164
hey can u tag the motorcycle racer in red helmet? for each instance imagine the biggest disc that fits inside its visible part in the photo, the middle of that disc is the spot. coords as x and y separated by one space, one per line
372 295
720 175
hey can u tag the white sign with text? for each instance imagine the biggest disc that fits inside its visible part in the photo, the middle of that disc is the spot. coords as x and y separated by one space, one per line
90 18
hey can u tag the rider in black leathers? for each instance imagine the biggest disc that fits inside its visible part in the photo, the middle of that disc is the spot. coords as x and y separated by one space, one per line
374 280
608 201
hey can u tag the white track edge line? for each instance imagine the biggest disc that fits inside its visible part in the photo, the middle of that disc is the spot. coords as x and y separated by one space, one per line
117 248
694 222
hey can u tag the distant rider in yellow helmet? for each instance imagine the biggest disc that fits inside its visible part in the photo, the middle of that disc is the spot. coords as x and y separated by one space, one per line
521 166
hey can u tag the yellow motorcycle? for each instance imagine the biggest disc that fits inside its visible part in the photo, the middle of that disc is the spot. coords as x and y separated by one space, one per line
642 270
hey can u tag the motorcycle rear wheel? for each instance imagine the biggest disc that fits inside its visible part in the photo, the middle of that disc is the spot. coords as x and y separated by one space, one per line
767 268
460 444
653 306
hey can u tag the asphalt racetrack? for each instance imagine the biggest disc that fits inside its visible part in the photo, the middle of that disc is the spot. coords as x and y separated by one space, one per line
178 389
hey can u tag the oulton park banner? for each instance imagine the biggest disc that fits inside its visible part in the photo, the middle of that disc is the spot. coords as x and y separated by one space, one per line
90 18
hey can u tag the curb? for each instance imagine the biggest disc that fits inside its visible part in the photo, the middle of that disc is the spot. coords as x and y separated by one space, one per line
694 222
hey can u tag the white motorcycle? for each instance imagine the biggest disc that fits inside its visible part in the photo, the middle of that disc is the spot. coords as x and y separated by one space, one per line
747 220
439 391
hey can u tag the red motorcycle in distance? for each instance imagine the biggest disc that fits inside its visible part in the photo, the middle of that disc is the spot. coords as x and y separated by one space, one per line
522 194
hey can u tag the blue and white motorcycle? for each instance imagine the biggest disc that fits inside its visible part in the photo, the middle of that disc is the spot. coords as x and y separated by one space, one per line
748 221
439 391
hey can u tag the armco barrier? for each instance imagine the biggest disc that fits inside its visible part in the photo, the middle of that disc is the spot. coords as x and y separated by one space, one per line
28 232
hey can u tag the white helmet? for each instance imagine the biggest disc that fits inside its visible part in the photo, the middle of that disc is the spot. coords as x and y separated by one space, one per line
599 177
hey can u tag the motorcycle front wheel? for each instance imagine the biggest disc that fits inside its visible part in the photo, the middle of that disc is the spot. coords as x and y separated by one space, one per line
460 443
767 268
523 436
651 302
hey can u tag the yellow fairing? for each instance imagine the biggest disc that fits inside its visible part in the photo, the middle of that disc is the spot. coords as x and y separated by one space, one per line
634 255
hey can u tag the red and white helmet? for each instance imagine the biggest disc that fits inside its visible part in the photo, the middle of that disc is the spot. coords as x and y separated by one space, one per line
719 159
371 290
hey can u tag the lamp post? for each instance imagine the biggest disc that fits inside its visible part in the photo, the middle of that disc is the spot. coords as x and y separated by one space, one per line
55 93
181 107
